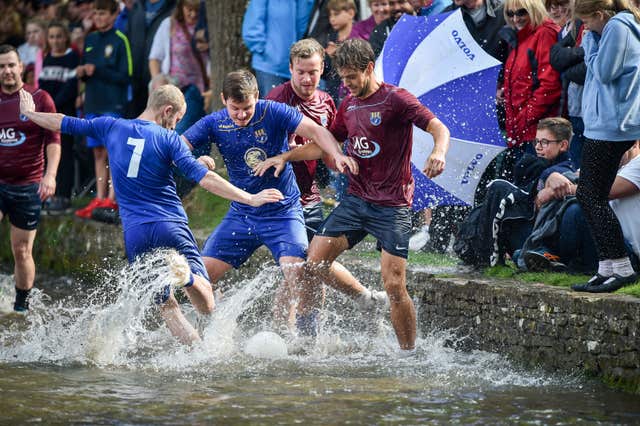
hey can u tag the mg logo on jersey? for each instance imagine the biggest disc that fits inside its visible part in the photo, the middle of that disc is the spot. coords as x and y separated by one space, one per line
260 135
253 156
375 118
364 148
9 137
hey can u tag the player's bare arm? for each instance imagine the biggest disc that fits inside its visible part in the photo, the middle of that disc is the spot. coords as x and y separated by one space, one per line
325 140
219 186
435 164
309 151
47 120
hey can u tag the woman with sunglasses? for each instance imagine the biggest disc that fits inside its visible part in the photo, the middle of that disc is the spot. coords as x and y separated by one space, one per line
531 86
611 114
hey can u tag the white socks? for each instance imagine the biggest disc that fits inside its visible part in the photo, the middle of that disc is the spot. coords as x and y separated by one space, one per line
605 268
622 267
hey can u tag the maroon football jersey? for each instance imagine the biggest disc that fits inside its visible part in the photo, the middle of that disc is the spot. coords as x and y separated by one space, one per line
380 136
21 141
321 109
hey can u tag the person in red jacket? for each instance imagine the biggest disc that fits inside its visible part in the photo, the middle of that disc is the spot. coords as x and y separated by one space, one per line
532 87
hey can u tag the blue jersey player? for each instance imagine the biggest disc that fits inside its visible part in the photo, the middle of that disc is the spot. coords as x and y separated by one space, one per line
141 152
246 132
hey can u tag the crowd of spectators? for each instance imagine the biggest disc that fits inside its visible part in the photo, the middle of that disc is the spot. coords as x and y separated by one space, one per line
552 51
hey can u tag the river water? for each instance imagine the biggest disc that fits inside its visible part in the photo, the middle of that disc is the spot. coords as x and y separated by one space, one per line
97 354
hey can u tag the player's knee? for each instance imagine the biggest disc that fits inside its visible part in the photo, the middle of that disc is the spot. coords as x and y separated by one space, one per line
21 251
396 290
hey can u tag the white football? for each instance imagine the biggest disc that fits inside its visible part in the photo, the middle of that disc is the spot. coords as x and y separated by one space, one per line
266 344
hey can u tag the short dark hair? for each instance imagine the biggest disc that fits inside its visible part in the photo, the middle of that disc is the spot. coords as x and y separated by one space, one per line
560 127
239 85
7 48
354 53
110 5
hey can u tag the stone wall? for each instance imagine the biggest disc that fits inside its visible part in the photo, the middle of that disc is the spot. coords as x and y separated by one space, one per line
69 246
537 324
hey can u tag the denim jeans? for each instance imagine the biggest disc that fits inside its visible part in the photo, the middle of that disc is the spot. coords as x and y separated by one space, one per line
267 81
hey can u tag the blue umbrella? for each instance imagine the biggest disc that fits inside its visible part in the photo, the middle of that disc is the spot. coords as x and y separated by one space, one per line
436 59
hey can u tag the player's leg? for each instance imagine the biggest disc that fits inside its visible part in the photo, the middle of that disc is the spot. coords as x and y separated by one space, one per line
403 313
392 228
25 268
23 208
176 322
287 293
102 172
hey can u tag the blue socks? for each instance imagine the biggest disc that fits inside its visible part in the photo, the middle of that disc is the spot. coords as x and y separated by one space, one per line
307 325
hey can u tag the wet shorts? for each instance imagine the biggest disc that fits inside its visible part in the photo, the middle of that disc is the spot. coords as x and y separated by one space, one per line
94 143
355 218
239 235
141 239
313 218
22 204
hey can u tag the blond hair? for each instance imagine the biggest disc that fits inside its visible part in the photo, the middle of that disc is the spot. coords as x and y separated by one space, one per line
537 12
166 95
305 48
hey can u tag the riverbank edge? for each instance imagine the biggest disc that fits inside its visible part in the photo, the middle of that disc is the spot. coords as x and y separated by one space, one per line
533 324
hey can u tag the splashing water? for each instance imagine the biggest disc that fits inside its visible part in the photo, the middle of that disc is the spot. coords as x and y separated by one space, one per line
117 325
102 355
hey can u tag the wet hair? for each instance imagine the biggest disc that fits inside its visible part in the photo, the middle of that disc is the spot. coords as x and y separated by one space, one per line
164 95
536 9
239 85
607 7
340 5
354 53
558 126
7 48
178 13
305 48
109 5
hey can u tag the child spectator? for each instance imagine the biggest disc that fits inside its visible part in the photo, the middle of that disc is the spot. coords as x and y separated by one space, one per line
502 223
341 14
31 52
58 78
106 71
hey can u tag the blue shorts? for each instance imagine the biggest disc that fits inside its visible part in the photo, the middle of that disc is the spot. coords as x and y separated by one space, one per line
313 218
141 239
239 235
355 218
94 143
22 204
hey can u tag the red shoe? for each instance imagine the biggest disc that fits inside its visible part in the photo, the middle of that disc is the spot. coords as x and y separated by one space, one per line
108 203
85 212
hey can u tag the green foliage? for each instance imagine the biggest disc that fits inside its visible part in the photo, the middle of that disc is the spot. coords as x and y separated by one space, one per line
550 278
204 209
418 258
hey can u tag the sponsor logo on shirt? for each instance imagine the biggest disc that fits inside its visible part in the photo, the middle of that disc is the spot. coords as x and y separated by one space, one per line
108 50
375 118
324 120
9 137
260 135
363 147
253 156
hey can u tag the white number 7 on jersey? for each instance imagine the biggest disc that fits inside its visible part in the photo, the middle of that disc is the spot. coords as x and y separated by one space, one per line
134 163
